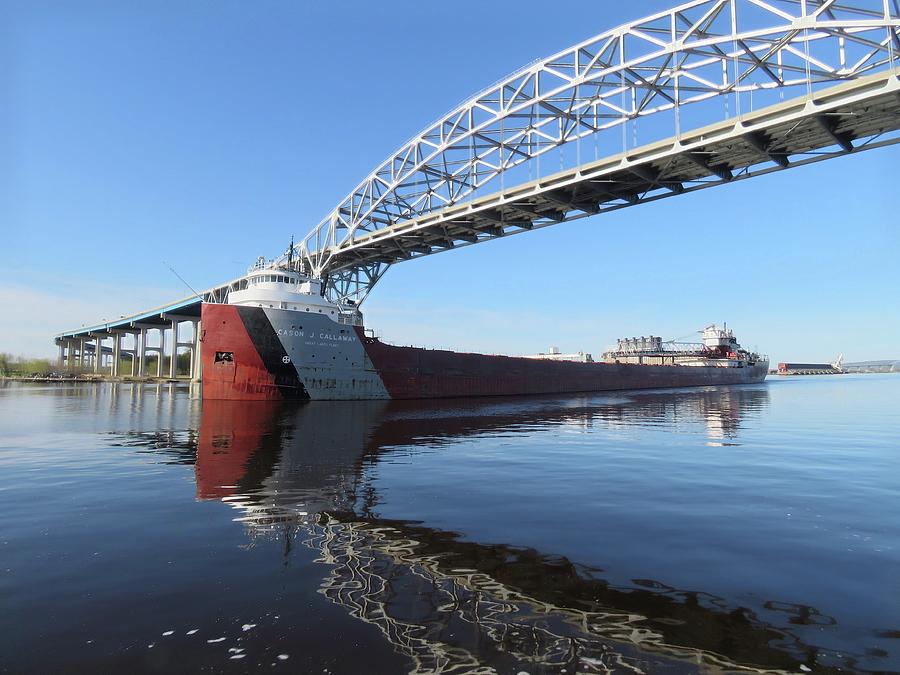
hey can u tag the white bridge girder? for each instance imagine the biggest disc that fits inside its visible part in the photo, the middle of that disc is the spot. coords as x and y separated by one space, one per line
854 117
426 197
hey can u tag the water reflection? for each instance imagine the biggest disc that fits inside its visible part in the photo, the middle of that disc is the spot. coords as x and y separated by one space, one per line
298 474
289 453
704 568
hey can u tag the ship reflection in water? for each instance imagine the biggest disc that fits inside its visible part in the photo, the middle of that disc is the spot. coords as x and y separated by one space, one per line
300 474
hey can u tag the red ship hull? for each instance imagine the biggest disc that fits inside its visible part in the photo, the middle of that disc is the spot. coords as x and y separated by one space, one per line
411 373
254 353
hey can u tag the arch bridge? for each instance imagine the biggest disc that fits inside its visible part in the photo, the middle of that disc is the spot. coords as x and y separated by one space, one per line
707 93
722 89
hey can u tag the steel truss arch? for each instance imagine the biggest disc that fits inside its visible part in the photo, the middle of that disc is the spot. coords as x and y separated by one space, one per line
689 54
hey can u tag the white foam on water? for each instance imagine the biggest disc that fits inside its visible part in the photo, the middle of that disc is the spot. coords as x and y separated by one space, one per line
192 631
168 633
283 657
238 656
248 626
235 650
221 639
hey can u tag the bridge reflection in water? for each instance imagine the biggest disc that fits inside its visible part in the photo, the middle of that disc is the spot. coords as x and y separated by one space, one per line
298 474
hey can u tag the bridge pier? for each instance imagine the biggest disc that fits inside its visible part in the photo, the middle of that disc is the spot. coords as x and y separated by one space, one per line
101 349
133 351
192 346
188 345
98 352
117 353
196 361
118 350
173 358
160 351
142 350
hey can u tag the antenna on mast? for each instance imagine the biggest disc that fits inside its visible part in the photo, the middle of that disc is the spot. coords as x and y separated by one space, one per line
172 270
291 253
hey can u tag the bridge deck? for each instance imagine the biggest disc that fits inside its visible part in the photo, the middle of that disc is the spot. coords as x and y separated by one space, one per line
186 307
857 115
851 117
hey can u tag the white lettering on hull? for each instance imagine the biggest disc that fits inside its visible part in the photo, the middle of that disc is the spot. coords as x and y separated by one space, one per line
330 359
336 338
330 337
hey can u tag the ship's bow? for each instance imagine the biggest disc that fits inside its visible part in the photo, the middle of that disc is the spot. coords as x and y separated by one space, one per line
243 357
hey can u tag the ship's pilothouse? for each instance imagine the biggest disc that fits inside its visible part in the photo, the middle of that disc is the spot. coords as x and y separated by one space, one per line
285 288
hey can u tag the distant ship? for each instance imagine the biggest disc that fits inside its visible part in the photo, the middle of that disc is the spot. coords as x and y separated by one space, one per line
278 336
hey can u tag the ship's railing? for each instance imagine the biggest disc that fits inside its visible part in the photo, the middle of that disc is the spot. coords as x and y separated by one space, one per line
350 319
667 348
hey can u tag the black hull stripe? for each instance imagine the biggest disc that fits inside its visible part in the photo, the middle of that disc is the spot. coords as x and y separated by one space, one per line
272 352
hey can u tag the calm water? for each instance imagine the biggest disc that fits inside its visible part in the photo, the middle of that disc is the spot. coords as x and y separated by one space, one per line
737 529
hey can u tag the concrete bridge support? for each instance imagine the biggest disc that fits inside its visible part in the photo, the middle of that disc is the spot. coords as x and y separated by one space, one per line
196 361
98 352
72 355
141 347
144 348
173 358
191 346
104 348
118 350
133 352
116 353
160 351
177 343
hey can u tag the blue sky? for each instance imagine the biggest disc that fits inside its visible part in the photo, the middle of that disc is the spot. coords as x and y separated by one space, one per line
205 134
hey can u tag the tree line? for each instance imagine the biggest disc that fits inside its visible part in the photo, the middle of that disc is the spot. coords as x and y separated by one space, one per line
12 366
20 366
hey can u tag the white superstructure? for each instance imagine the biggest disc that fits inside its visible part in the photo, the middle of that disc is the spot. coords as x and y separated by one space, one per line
718 349
555 355
280 287
713 336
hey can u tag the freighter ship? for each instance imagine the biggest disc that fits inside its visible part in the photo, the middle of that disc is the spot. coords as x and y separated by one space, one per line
278 336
